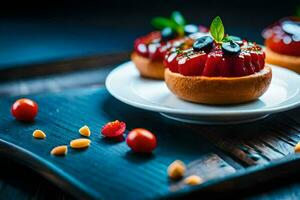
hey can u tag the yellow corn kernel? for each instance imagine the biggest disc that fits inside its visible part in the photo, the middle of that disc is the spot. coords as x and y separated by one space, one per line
60 150
85 131
193 180
80 143
176 169
297 148
39 134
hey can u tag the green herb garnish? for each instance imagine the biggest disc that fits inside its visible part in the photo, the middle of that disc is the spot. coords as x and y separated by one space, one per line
178 18
176 22
217 29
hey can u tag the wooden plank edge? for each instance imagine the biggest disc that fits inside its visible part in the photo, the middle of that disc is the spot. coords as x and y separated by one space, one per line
48 171
256 176
26 71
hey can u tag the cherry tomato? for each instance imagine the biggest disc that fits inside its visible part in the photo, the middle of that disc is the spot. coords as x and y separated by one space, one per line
24 110
141 140
113 129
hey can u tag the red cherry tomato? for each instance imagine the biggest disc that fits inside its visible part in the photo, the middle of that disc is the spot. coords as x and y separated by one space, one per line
24 110
141 140
113 129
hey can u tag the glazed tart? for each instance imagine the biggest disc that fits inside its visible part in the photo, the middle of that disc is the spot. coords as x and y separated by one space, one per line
282 41
218 70
149 50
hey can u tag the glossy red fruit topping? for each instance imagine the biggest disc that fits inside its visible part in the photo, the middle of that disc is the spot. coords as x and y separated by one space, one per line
113 129
238 65
211 67
192 65
216 63
155 47
225 67
248 63
284 36
171 61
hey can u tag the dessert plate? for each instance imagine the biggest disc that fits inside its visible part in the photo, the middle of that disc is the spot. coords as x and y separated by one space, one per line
125 84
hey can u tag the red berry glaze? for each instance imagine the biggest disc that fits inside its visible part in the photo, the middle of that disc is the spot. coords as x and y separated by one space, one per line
215 63
192 66
151 46
280 41
113 129
171 61
24 110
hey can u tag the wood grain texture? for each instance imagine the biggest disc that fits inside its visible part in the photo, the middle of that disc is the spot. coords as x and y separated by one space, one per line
54 83
107 169
259 142
25 71
258 152
18 182
207 167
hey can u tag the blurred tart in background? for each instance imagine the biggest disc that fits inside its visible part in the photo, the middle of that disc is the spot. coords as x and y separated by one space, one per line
282 41
149 50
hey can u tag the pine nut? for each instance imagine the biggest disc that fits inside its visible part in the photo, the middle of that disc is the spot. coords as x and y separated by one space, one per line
85 131
39 134
297 148
193 180
60 150
176 169
80 143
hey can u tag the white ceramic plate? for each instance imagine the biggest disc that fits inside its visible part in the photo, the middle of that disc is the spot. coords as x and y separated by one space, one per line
125 84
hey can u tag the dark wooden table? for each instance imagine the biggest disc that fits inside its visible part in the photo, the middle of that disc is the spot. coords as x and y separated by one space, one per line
19 182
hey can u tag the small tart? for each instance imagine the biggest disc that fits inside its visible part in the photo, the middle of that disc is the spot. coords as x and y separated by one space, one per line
150 50
287 61
282 41
147 67
219 90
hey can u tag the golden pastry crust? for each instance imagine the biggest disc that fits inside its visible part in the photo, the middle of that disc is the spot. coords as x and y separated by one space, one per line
219 90
289 62
147 67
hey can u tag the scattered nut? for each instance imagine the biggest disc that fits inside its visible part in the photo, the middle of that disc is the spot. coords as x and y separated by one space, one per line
85 131
297 148
80 143
59 150
176 169
193 180
39 134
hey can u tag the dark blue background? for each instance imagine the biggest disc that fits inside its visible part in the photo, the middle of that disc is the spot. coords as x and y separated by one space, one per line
40 31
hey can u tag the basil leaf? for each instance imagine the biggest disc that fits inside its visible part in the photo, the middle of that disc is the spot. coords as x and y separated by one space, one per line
178 18
217 29
161 22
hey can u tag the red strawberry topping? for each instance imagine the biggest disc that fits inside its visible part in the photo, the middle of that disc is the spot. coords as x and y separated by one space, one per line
215 63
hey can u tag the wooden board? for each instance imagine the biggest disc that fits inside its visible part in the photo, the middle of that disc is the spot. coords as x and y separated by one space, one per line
107 169
227 157
61 66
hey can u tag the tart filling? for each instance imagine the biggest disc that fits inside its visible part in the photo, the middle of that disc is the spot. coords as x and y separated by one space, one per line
215 62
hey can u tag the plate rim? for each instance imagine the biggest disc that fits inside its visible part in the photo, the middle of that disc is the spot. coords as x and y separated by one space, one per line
155 108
